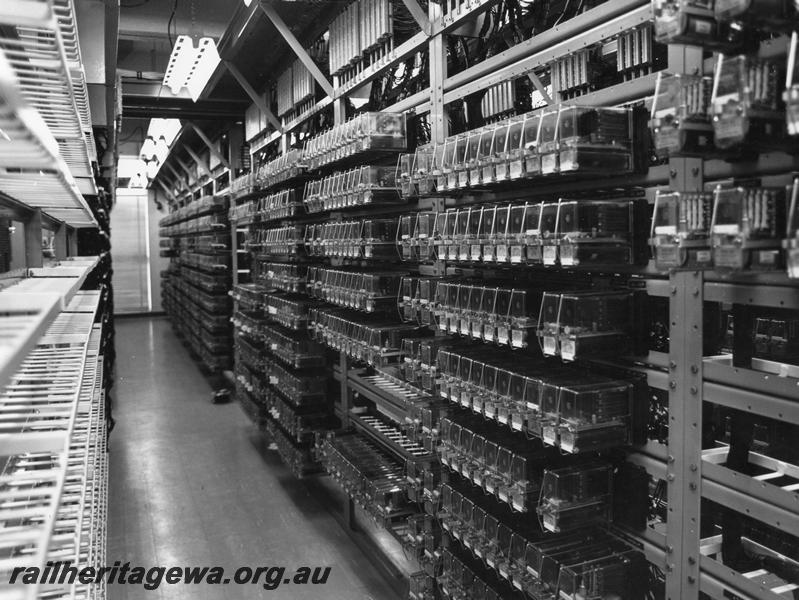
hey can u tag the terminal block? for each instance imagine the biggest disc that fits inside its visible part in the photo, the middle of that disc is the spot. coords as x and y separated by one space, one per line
499 152
746 230
472 162
301 387
371 340
289 311
692 22
587 415
361 186
586 140
599 232
405 170
576 497
415 300
495 315
423 165
483 170
416 237
458 177
458 582
529 145
680 119
443 164
680 233
614 575
770 15
282 241
282 205
514 152
287 166
371 131
444 235
486 234
372 238
366 239
576 325
746 105
369 292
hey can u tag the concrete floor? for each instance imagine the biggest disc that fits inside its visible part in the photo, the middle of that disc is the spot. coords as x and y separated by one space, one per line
191 484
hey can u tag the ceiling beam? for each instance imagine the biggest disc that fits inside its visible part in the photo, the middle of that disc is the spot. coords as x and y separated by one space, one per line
295 45
254 96
147 107
169 197
199 162
176 175
211 148
186 170
419 15
135 85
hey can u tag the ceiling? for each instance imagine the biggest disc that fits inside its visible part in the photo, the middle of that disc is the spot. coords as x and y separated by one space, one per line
240 31
245 37
145 46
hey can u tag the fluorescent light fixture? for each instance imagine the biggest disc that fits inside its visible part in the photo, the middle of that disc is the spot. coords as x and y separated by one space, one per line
153 167
161 150
190 65
147 148
165 128
161 134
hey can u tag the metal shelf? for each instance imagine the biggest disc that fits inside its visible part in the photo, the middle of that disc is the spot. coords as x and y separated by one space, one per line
776 505
390 398
756 293
25 320
652 541
778 381
378 434
721 582
30 306
651 457
50 430
766 405
83 500
42 49
32 169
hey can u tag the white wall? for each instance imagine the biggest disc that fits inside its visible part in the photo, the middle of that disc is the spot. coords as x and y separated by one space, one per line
131 252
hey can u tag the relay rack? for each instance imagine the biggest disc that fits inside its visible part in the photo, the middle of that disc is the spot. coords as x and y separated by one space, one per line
196 237
532 303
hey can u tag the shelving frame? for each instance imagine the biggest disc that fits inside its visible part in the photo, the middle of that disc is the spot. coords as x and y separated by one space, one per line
689 377
54 478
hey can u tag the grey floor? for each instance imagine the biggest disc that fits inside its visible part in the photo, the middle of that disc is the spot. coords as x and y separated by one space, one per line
191 483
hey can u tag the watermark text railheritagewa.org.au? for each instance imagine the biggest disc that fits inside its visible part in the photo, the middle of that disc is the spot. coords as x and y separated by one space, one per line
151 578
